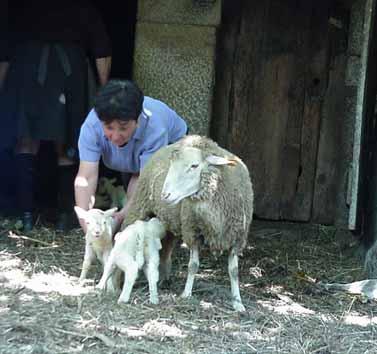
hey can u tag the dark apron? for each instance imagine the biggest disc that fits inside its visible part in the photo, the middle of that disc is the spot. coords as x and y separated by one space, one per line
46 93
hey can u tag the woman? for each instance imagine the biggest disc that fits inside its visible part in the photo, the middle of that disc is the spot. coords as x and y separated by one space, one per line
124 129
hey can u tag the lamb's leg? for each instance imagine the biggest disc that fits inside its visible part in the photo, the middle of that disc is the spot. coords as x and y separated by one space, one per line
89 257
130 274
111 281
193 267
152 276
168 244
107 271
233 274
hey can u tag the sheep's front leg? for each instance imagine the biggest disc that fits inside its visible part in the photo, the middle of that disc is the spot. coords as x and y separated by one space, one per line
152 276
111 285
89 257
235 289
193 267
107 271
130 269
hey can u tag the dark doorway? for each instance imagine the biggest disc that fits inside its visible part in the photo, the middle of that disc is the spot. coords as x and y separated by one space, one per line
120 20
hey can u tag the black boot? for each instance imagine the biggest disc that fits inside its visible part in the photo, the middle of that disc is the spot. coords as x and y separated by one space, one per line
24 165
66 219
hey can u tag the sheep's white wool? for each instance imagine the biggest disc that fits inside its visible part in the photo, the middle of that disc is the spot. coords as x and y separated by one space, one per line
197 188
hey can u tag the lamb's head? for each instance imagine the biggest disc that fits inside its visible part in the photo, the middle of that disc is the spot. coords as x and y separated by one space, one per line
98 221
187 168
156 227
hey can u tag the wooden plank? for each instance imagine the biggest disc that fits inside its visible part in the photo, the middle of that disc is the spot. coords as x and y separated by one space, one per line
315 58
227 36
331 166
246 123
282 92
365 92
295 194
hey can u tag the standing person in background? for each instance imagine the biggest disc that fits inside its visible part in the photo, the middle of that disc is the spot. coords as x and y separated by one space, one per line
47 76
124 129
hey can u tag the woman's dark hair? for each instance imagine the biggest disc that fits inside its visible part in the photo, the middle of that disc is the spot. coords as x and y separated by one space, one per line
119 99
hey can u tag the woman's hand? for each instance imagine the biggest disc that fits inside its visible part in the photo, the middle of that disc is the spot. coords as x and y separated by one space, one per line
118 218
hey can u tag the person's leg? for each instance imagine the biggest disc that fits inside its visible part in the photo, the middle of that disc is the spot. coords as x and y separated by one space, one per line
67 170
25 152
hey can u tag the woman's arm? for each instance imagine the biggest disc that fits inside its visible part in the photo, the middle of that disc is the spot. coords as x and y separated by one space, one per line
103 69
85 186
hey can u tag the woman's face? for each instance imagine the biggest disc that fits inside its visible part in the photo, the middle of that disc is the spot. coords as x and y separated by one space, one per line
119 132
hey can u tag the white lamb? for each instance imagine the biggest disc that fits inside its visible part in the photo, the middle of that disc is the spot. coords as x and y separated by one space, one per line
136 247
98 238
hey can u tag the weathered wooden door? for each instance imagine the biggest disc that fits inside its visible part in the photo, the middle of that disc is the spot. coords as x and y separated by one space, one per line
284 64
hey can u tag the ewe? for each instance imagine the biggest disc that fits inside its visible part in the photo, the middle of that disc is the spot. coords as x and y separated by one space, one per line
136 247
198 191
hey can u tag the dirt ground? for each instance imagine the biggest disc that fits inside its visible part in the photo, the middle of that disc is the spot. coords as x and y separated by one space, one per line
43 310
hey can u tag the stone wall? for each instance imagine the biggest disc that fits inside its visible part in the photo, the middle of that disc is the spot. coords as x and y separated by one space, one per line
174 57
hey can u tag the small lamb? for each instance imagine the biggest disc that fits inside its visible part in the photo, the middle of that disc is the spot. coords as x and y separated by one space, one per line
136 247
99 237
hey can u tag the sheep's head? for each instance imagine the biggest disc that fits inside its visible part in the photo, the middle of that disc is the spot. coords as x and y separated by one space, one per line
98 222
184 175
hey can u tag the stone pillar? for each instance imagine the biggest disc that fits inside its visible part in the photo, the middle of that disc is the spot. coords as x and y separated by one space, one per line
174 58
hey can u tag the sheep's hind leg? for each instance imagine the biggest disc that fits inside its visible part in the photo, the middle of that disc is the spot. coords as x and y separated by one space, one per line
152 276
130 274
168 244
193 267
235 289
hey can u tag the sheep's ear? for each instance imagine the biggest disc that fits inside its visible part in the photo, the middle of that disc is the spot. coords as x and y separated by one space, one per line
110 212
81 213
218 160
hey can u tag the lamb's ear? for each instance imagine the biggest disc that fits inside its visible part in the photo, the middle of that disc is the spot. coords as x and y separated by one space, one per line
81 213
218 160
110 212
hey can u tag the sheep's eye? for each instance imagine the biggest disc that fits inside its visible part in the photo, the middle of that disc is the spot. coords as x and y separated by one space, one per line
194 166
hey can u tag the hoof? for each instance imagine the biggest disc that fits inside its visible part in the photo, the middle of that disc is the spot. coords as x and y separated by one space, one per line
238 306
122 301
101 286
154 301
186 295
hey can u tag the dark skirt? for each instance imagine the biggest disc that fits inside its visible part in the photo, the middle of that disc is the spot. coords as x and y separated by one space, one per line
47 87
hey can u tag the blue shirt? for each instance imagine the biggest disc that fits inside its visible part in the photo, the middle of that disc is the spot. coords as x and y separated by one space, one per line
158 126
